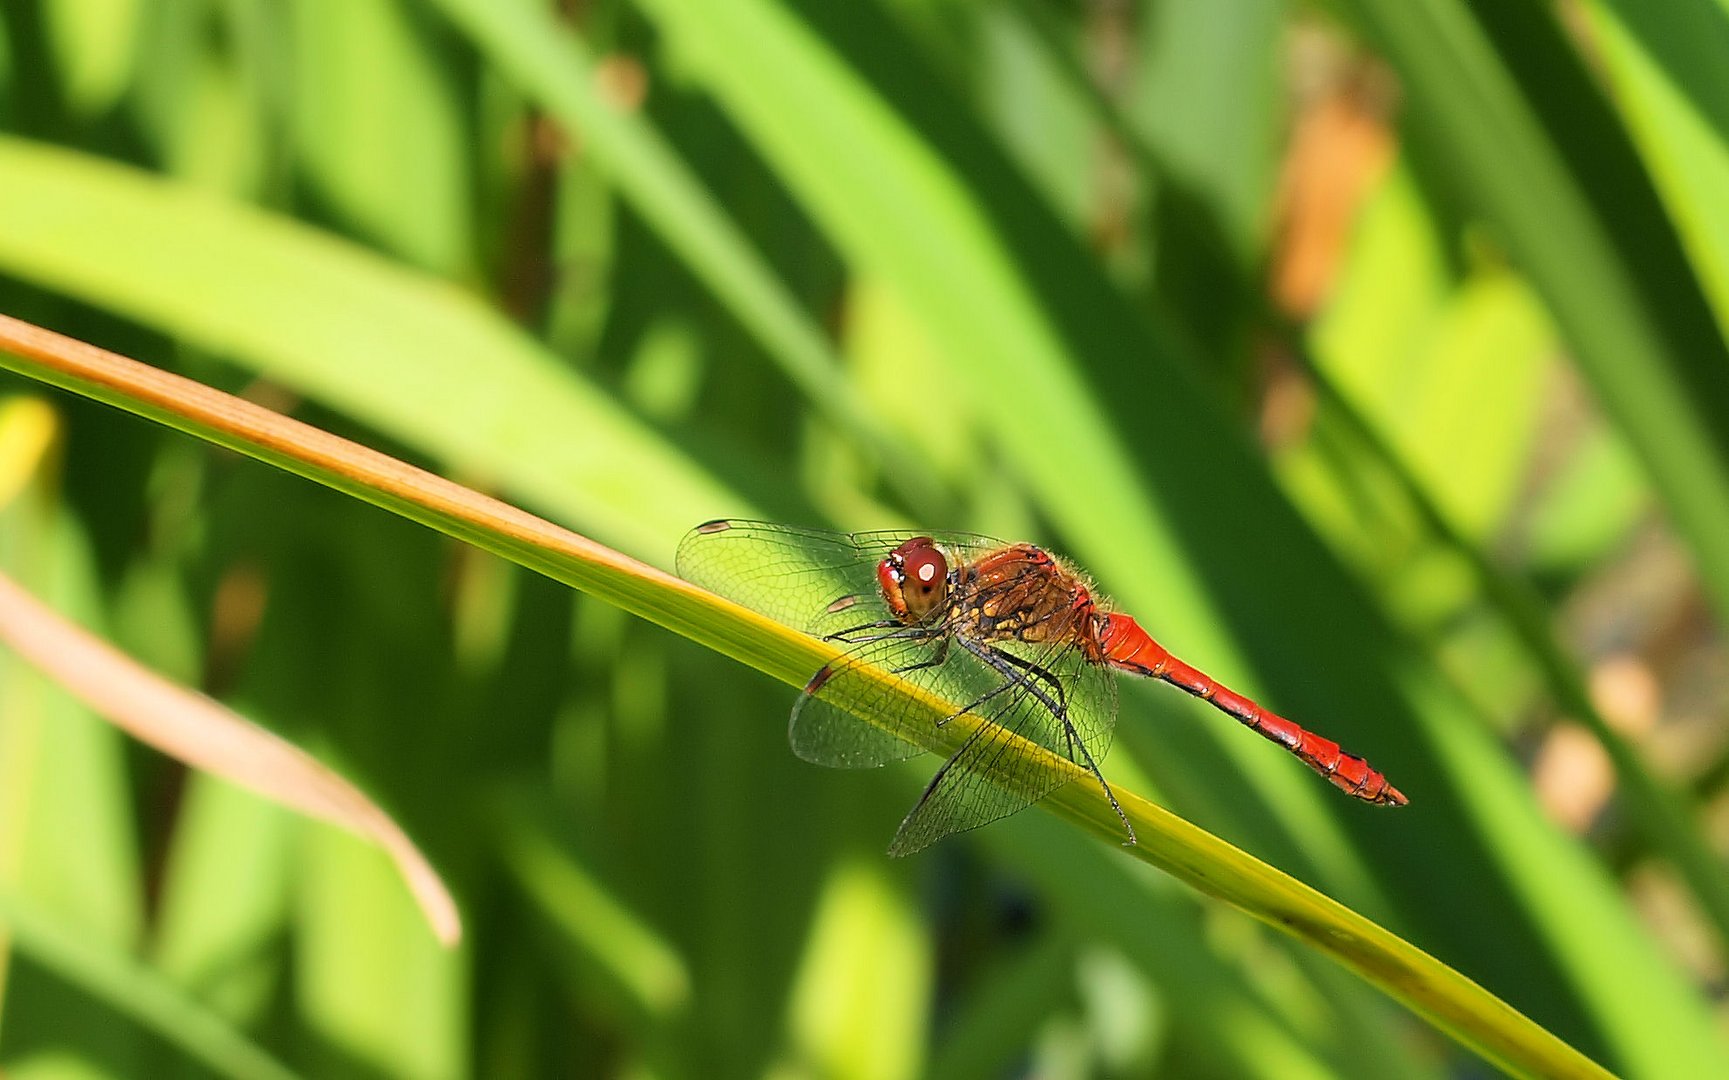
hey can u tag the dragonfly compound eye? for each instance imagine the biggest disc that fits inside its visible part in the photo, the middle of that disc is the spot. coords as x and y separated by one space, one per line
915 578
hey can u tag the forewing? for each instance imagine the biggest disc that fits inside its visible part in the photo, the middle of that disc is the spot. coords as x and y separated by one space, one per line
790 574
995 773
814 580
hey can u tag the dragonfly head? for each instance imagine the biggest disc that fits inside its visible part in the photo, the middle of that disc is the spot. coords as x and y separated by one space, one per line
915 579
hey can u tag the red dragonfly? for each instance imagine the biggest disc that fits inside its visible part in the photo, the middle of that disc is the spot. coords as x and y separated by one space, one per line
1012 631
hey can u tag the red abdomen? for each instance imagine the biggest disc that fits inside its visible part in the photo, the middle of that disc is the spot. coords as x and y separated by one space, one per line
1127 647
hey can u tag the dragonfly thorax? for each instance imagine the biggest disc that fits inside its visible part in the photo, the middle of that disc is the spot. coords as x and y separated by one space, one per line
1021 593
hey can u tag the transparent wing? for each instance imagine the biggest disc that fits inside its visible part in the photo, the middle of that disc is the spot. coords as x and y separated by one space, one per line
849 717
813 580
1058 701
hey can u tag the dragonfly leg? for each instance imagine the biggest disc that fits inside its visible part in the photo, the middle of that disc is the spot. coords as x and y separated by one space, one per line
1110 796
1006 664
936 661
1058 708
1013 682
895 628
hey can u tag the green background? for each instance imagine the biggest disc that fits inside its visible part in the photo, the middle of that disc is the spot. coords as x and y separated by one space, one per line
949 263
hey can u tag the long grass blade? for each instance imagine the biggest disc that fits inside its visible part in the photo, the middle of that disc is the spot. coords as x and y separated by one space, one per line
206 736
551 63
1662 815
1527 135
1157 493
412 355
1450 1001
134 990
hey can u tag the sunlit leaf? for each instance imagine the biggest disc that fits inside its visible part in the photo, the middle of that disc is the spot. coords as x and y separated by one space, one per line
1447 999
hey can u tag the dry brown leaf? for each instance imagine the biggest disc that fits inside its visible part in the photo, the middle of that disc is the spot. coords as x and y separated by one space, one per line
209 737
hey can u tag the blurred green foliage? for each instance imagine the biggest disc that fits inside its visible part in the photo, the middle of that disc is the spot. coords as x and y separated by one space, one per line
1372 353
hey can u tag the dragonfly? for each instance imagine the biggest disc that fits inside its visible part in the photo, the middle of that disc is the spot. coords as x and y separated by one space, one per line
1006 632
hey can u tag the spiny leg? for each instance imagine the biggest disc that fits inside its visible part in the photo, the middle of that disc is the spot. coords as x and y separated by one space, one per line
1012 682
894 628
1004 663
1060 709
938 660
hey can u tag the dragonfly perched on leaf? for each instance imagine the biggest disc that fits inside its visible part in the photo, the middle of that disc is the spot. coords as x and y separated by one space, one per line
1008 633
